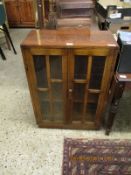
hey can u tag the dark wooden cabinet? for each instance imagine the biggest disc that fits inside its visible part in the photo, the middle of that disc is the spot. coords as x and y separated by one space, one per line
69 74
74 8
20 13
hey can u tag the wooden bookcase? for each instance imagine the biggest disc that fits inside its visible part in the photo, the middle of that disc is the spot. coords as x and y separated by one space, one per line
69 74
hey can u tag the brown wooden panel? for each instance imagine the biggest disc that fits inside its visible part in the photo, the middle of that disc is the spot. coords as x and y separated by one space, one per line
20 13
92 51
105 85
74 125
26 12
42 51
12 10
71 38
75 8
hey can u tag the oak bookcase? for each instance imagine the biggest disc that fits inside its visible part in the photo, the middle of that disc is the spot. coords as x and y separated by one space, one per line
69 74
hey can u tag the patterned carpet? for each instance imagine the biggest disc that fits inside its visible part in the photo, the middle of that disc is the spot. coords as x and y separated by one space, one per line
97 157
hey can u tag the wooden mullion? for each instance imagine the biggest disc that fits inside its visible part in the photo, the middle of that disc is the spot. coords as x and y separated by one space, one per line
43 89
81 101
40 13
49 85
82 81
105 85
89 67
71 63
64 81
56 80
94 91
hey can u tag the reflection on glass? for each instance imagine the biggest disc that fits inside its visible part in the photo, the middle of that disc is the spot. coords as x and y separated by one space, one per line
98 63
40 69
56 67
80 67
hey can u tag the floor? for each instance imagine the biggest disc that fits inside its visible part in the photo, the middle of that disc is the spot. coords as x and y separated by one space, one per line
26 149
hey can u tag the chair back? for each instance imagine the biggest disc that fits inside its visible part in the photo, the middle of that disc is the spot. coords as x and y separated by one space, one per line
2 14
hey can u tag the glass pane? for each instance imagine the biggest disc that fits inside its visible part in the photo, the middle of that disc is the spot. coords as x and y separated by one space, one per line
98 64
57 91
58 110
45 105
45 108
77 112
51 109
91 111
56 67
78 109
93 98
91 106
78 94
80 67
44 96
40 69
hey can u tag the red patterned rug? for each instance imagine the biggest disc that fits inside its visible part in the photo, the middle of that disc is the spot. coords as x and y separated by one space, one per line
97 157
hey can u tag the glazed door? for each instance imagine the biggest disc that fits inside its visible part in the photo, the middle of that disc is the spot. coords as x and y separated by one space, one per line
85 84
50 84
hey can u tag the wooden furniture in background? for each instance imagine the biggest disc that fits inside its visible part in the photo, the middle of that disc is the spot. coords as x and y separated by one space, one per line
69 74
58 13
74 13
117 90
40 22
74 8
20 13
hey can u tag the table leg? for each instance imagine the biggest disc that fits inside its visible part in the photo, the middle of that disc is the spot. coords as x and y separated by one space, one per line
118 88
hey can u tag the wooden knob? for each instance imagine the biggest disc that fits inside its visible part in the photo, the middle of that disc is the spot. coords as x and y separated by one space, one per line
70 90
